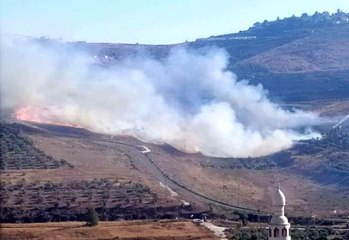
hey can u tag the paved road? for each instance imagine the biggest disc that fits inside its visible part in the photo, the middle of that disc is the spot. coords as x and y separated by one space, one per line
146 149
179 188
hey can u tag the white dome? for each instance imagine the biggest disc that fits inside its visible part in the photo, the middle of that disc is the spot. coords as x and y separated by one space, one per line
279 198
279 220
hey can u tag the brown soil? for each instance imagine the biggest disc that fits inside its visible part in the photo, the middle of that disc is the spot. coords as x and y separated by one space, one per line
117 158
145 230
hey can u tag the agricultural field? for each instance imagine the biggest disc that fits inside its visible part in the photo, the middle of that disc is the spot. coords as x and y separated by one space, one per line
45 202
120 180
18 152
97 174
122 230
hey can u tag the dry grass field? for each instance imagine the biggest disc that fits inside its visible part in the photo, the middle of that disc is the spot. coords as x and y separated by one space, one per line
140 230
216 178
101 161
252 188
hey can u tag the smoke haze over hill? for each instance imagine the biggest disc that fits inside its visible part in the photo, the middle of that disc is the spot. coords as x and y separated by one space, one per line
188 100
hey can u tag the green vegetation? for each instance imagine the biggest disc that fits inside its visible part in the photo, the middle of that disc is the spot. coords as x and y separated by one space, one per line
50 201
248 234
296 234
19 152
311 234
264 163
331 152
92 218
300 228
303 25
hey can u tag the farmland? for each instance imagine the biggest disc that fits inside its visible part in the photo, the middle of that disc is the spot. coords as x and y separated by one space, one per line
113 175
43 202
18 152
36 187
145 230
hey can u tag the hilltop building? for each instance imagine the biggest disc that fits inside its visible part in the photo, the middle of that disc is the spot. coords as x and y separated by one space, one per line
279 227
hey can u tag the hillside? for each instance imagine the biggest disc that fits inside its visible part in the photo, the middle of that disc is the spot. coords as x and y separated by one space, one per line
265 36
123 181
318 52
297 59
53 173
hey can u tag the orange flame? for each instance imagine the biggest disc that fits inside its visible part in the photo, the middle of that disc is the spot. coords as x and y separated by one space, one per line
38 115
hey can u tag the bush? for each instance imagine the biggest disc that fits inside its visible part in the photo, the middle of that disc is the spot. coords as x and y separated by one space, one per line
248 234
244 222
92 218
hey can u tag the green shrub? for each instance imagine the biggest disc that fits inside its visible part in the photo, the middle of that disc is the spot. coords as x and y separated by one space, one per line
92 218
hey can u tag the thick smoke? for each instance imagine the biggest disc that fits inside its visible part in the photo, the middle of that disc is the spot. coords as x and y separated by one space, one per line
188 100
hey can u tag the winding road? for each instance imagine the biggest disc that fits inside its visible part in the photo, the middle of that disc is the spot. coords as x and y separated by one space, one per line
182 190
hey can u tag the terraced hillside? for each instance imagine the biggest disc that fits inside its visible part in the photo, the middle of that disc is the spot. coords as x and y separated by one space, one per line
172 183
301 61
19 152
36 187
68 201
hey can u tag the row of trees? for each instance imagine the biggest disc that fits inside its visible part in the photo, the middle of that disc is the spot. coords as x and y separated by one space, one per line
338 17
19 152
296 234
50 201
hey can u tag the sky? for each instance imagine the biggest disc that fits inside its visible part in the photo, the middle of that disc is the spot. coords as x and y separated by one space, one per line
147 21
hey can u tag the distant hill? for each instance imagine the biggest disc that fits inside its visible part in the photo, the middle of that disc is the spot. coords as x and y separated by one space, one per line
265 36
298 59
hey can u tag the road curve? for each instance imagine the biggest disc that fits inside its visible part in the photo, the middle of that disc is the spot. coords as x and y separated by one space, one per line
181 189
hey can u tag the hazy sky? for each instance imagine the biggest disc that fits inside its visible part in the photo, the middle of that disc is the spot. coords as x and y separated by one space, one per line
147 21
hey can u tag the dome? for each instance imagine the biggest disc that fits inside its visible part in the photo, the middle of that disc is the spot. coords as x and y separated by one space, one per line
279 220
279 198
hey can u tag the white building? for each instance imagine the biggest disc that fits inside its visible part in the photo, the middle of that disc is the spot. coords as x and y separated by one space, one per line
279 227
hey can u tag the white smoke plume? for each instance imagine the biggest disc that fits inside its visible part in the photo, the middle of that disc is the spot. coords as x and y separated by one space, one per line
188 99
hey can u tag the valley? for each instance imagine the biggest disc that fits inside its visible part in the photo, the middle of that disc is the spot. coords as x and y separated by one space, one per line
178 141
97 162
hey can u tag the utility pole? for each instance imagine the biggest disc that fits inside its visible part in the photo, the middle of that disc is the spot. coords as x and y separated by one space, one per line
313 217
239 193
